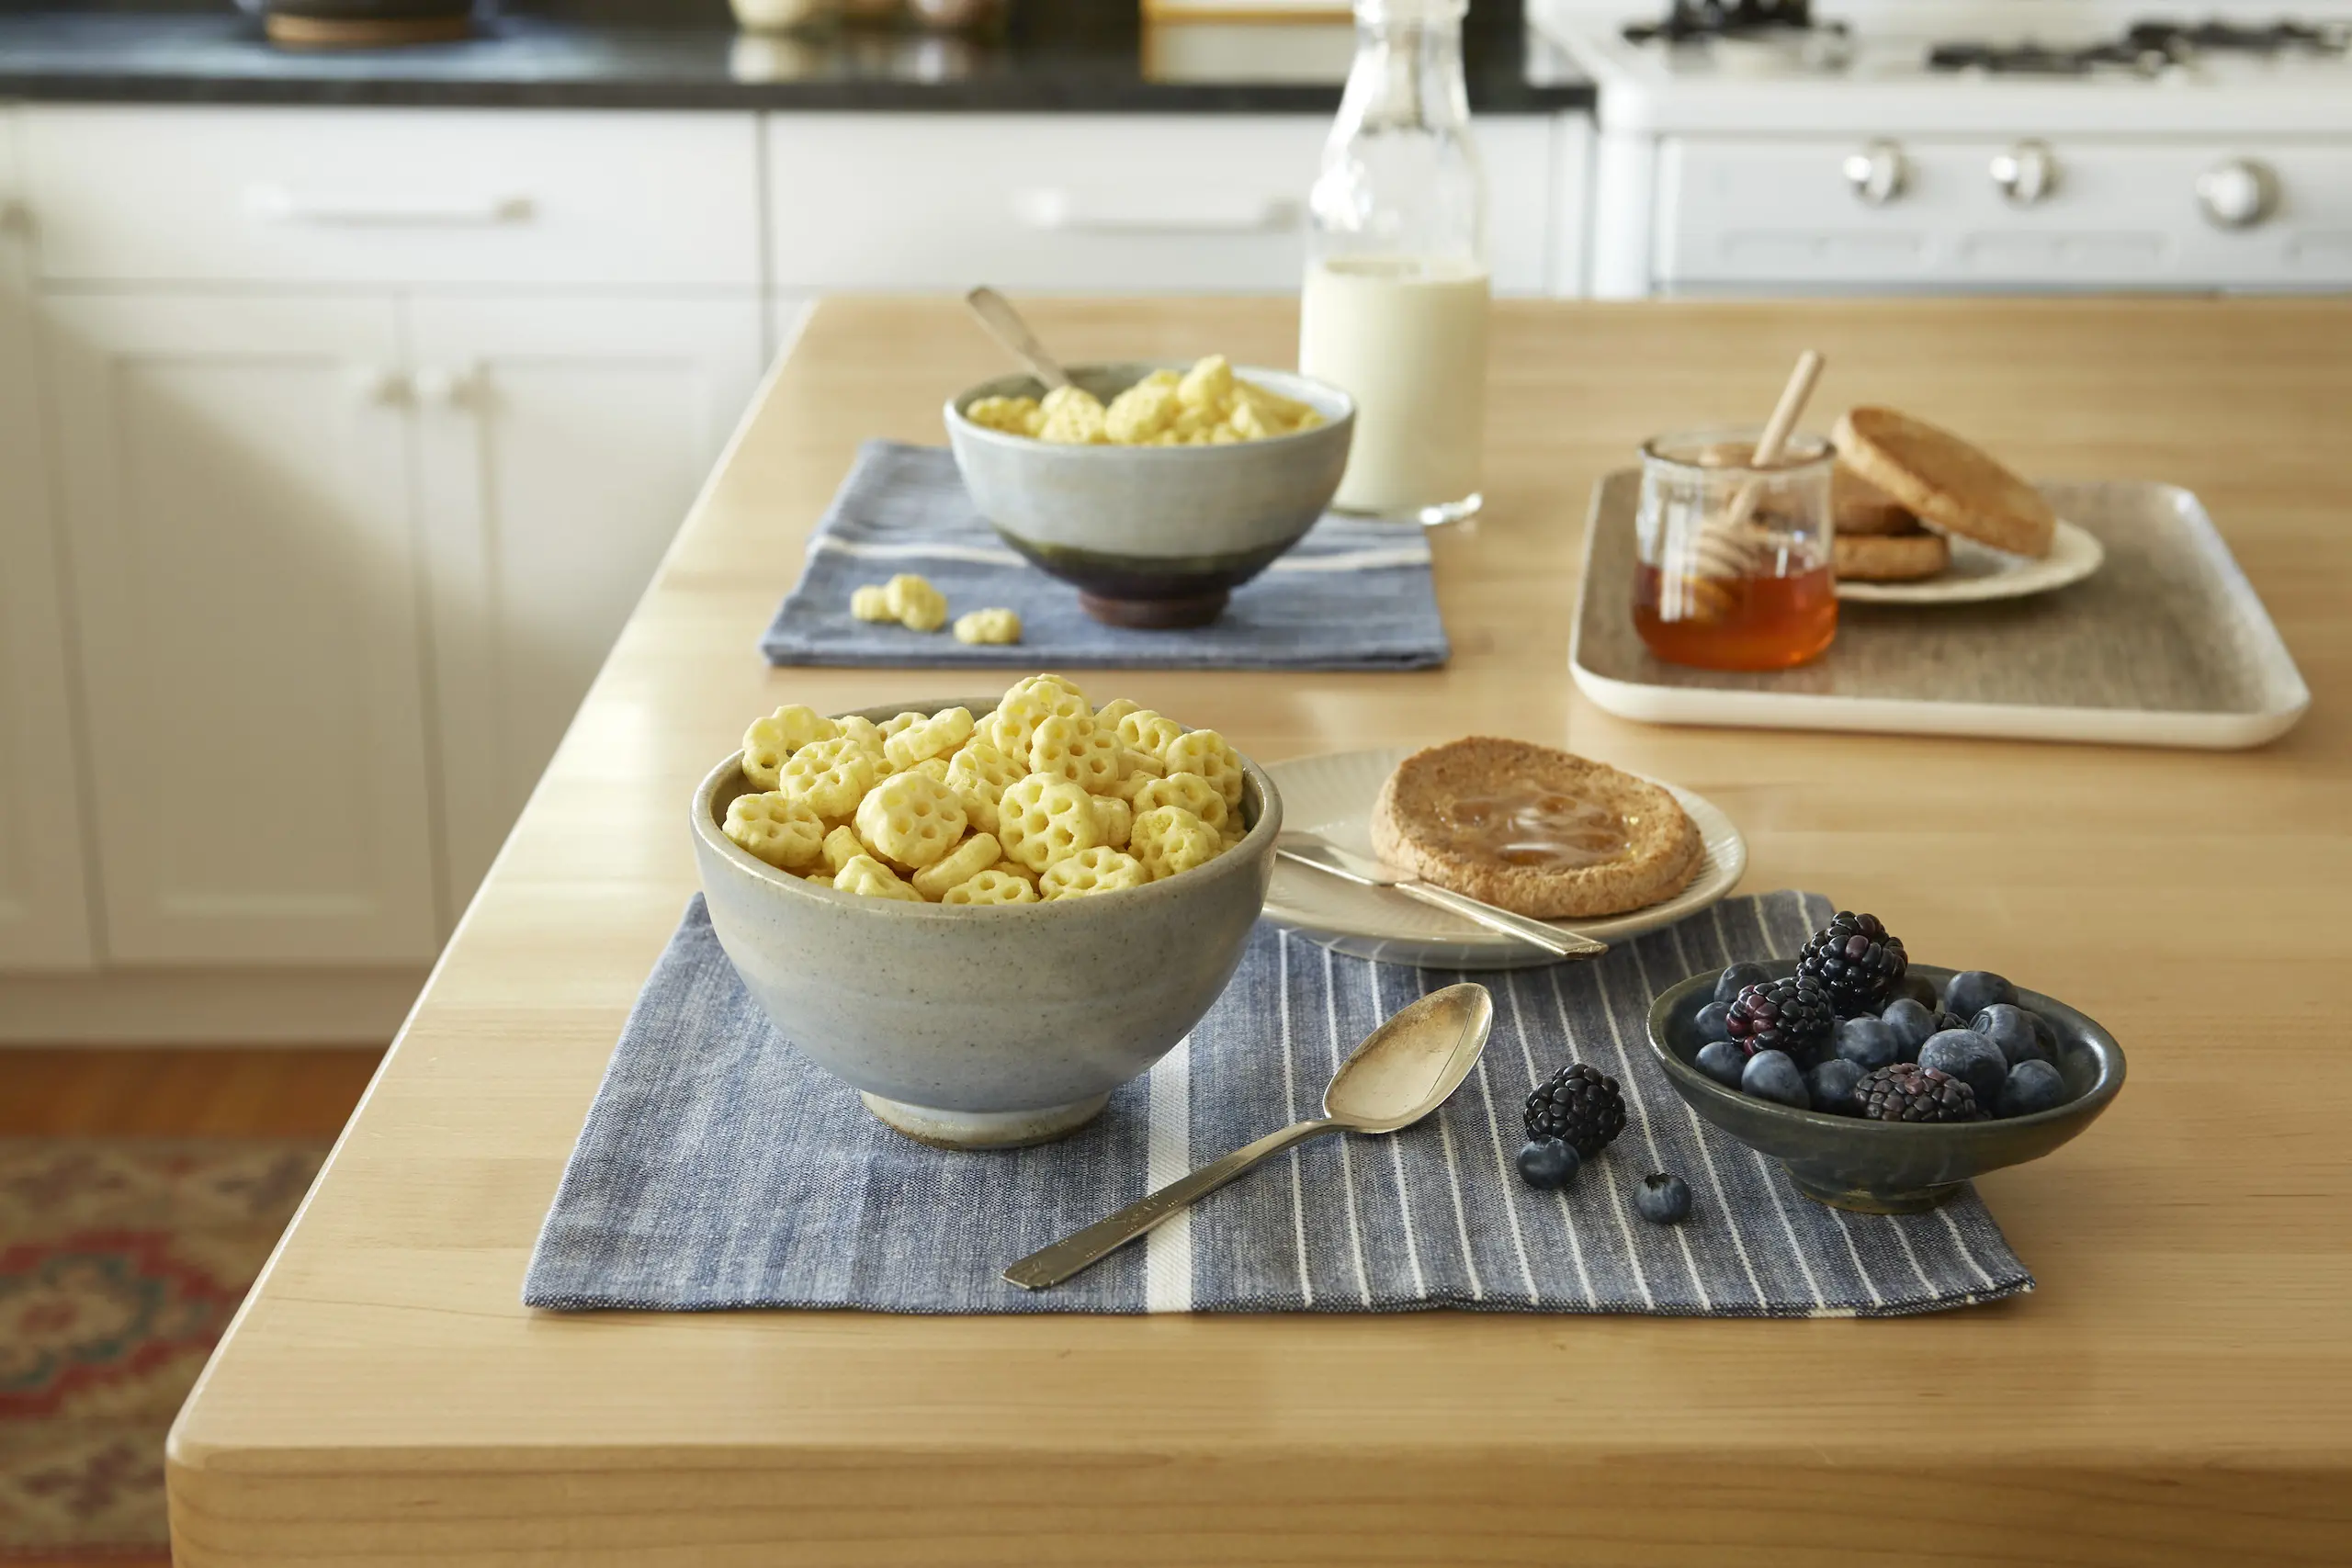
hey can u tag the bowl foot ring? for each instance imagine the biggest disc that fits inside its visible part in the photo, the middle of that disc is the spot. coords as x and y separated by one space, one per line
984 1129
1914 1201
1155 614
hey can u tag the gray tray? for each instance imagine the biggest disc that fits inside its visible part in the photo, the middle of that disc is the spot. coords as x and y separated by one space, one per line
2168 644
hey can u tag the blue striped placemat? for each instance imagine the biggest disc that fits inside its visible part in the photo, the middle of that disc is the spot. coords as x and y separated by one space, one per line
1352 595
720 1169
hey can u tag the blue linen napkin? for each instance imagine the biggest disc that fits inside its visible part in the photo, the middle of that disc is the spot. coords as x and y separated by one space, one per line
719 1167
1352 595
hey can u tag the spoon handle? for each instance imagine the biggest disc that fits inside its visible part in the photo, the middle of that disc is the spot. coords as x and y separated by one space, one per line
1009 327
1081 1250
1535 933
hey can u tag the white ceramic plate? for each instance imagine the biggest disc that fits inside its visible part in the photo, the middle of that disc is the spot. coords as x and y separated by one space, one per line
1977 573
1333 796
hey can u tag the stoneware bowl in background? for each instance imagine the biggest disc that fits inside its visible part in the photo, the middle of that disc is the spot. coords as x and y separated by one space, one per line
1153 536
1879 1166
979 1028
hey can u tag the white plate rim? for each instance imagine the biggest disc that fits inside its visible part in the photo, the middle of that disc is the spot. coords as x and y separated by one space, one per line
1715 882
2073 556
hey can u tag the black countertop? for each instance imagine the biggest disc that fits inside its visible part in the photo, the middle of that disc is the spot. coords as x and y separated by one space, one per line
1055 55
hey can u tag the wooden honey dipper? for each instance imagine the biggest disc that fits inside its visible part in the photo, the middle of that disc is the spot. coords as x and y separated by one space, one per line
1724 549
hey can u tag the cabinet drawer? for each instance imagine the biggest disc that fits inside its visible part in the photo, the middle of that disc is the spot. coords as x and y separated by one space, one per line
408 196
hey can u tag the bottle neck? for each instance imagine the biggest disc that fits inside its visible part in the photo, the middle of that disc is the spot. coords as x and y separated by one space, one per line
1407 69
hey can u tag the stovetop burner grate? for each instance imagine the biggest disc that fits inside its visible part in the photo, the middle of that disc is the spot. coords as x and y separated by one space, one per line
1690 21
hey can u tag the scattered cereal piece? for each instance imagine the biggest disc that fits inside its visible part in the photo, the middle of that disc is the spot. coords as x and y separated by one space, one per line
917 604
913 818
999 626
872 602
966 861
1098 870
777 827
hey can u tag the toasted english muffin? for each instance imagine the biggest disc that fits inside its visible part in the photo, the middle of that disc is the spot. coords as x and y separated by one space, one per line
1416 827
1889 557
1952 486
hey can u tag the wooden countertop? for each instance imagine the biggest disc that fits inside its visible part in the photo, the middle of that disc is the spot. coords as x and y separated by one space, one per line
2179 1389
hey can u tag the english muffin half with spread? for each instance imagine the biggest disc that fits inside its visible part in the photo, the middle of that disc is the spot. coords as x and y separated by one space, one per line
1537 832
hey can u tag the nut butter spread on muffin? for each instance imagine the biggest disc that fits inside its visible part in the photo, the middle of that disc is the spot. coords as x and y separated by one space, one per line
1537 832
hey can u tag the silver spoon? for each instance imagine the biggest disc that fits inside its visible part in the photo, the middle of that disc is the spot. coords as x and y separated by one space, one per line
1006 325
1403 1071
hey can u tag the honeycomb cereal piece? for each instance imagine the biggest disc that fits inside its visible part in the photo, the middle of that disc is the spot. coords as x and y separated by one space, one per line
978 773
775 827
871 602
1113 818
966 861
925 738
771 740
828 776
1054 693
933 768
841 847
821 878
1075 750
998 627
1073 416
1203 751
917 604
866 734
1108 715
1147 731
1191 791
1014 416
1169 840
1014 725
1041 819
871 877
992 886
1208 385
1014 868
1141 415
1097 870
910 818
1136 769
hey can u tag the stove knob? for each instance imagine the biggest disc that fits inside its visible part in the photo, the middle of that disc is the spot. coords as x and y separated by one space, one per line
1878 173
2026 174
2237 193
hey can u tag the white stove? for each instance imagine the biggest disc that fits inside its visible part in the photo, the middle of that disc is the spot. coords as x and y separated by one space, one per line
1942 145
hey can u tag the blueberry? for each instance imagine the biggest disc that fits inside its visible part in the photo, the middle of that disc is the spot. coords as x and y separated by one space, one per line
1773 1076
1662 1200
1912 1020
1831 1084
1971 991
1737 978
1969 1057
1724 1061
1547 1163
2032 1086
2011 1028
1918 988
1869 1044
1712 1019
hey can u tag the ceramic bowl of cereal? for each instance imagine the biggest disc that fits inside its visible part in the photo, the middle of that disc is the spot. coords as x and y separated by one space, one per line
1155 489
984 915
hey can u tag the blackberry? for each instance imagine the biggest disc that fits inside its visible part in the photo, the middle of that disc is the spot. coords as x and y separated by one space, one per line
1577 1106
1908 1092
1792 1015
1857 961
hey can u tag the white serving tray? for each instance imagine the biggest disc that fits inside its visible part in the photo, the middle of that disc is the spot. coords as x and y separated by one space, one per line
2168 645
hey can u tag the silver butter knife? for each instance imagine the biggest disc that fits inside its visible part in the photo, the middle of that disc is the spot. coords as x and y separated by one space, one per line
1316 852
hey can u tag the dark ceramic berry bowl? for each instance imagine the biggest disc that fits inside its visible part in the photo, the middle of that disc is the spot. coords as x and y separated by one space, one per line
1885 1167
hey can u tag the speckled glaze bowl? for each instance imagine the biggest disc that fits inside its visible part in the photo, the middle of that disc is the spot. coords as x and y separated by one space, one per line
1877 1167
1153 536
983 1027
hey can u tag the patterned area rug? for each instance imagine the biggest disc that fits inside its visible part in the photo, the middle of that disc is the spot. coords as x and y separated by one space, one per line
120 1262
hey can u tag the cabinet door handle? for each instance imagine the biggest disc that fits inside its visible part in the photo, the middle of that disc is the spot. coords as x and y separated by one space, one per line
1066 212
278 205
379 386
447 386
16 217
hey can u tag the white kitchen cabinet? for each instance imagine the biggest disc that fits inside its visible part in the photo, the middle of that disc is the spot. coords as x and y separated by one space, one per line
559 444
44 912
1103 204
247 584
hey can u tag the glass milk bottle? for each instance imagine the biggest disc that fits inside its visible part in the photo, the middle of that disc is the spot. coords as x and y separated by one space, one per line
1394 307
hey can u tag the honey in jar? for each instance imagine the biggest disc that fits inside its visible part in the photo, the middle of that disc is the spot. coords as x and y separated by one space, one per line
1732 569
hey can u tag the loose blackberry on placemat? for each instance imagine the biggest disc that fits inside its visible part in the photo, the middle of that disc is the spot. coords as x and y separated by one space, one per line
1352 595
